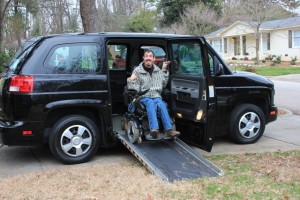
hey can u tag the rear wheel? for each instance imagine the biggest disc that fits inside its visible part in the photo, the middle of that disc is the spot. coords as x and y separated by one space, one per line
247 124
74 139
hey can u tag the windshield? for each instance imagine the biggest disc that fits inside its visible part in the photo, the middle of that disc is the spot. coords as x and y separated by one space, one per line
21 54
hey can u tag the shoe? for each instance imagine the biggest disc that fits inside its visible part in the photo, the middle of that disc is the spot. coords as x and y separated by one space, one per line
172 133
154 133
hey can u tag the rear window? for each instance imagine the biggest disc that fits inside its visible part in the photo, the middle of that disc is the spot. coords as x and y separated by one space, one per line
158 51
21 55
80 58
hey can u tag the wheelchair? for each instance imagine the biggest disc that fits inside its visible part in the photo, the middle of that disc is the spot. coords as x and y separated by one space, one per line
135 122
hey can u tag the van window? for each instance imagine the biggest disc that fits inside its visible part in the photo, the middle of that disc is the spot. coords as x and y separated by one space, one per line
187 58
117 57
21 55
74 58
211 64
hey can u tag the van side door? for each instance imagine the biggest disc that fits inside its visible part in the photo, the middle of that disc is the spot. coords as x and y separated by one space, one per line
192 92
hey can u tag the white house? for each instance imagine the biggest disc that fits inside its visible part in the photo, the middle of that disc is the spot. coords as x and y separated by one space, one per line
278 37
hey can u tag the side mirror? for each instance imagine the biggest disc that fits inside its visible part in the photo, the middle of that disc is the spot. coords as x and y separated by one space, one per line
219 69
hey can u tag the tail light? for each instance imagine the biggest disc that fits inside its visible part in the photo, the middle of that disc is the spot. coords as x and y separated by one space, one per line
22 84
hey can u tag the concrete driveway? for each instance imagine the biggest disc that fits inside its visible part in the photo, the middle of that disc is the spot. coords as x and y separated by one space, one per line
282 135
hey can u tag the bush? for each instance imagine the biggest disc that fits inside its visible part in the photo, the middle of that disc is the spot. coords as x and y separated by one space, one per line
249 69
275 60
278 59
5 58
293 60
246 58
233 58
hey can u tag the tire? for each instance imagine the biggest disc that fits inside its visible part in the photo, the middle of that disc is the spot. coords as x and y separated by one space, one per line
78 134
247 124
133 133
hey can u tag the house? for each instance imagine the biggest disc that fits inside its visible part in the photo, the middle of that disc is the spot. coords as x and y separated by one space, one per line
278 37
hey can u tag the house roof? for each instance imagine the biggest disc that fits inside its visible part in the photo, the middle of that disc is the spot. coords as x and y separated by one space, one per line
215 33
281 23
268 25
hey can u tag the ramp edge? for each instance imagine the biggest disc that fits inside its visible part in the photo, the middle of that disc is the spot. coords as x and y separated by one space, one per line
199 157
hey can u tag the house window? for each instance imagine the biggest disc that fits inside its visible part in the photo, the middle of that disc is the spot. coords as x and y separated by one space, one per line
217 45
266 41
296 39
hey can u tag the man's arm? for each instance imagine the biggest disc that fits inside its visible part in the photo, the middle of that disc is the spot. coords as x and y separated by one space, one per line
165 73
132 81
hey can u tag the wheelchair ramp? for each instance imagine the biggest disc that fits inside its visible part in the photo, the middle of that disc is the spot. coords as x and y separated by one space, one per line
171 159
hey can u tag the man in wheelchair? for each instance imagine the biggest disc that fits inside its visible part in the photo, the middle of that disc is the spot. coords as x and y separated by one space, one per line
148 76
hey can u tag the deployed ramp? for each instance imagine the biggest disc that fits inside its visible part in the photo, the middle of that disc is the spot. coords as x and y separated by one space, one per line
171 159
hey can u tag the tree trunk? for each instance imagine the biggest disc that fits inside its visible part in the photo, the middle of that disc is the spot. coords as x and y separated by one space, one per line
89 15
257 38
18 30
3 7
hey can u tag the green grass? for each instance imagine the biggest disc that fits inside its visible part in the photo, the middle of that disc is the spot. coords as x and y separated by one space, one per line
277 70
255 176
270 70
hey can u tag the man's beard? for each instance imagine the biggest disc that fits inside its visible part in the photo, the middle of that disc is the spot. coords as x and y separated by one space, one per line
148 63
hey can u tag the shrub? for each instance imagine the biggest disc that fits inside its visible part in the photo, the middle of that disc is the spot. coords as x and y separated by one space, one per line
246 58
293 60
278 59
233 58
5 58
249 69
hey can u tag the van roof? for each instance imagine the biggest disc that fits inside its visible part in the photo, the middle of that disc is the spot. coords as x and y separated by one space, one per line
127 35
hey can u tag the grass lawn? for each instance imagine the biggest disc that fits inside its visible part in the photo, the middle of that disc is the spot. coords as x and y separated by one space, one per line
277 70
247 176
270 70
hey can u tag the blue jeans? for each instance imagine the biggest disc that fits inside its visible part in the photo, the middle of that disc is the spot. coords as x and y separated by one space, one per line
154 106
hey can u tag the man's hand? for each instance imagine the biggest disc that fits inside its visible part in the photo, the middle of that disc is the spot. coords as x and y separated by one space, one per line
133 77
165 65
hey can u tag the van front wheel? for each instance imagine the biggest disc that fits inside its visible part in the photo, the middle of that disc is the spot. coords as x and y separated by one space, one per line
74 139
247 124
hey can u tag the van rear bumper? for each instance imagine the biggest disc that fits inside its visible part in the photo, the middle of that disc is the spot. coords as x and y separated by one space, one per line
12 133
273 114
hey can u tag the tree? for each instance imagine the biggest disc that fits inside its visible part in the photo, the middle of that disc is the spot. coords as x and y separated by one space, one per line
173 9
89 15
144 22
3 7
196 20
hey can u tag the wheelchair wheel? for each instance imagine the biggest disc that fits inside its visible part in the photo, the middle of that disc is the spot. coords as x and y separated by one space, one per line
133 133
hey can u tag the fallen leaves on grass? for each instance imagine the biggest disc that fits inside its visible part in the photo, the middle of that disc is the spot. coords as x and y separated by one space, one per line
250 176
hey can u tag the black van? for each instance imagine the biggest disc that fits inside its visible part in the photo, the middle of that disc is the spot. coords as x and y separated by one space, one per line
64 90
